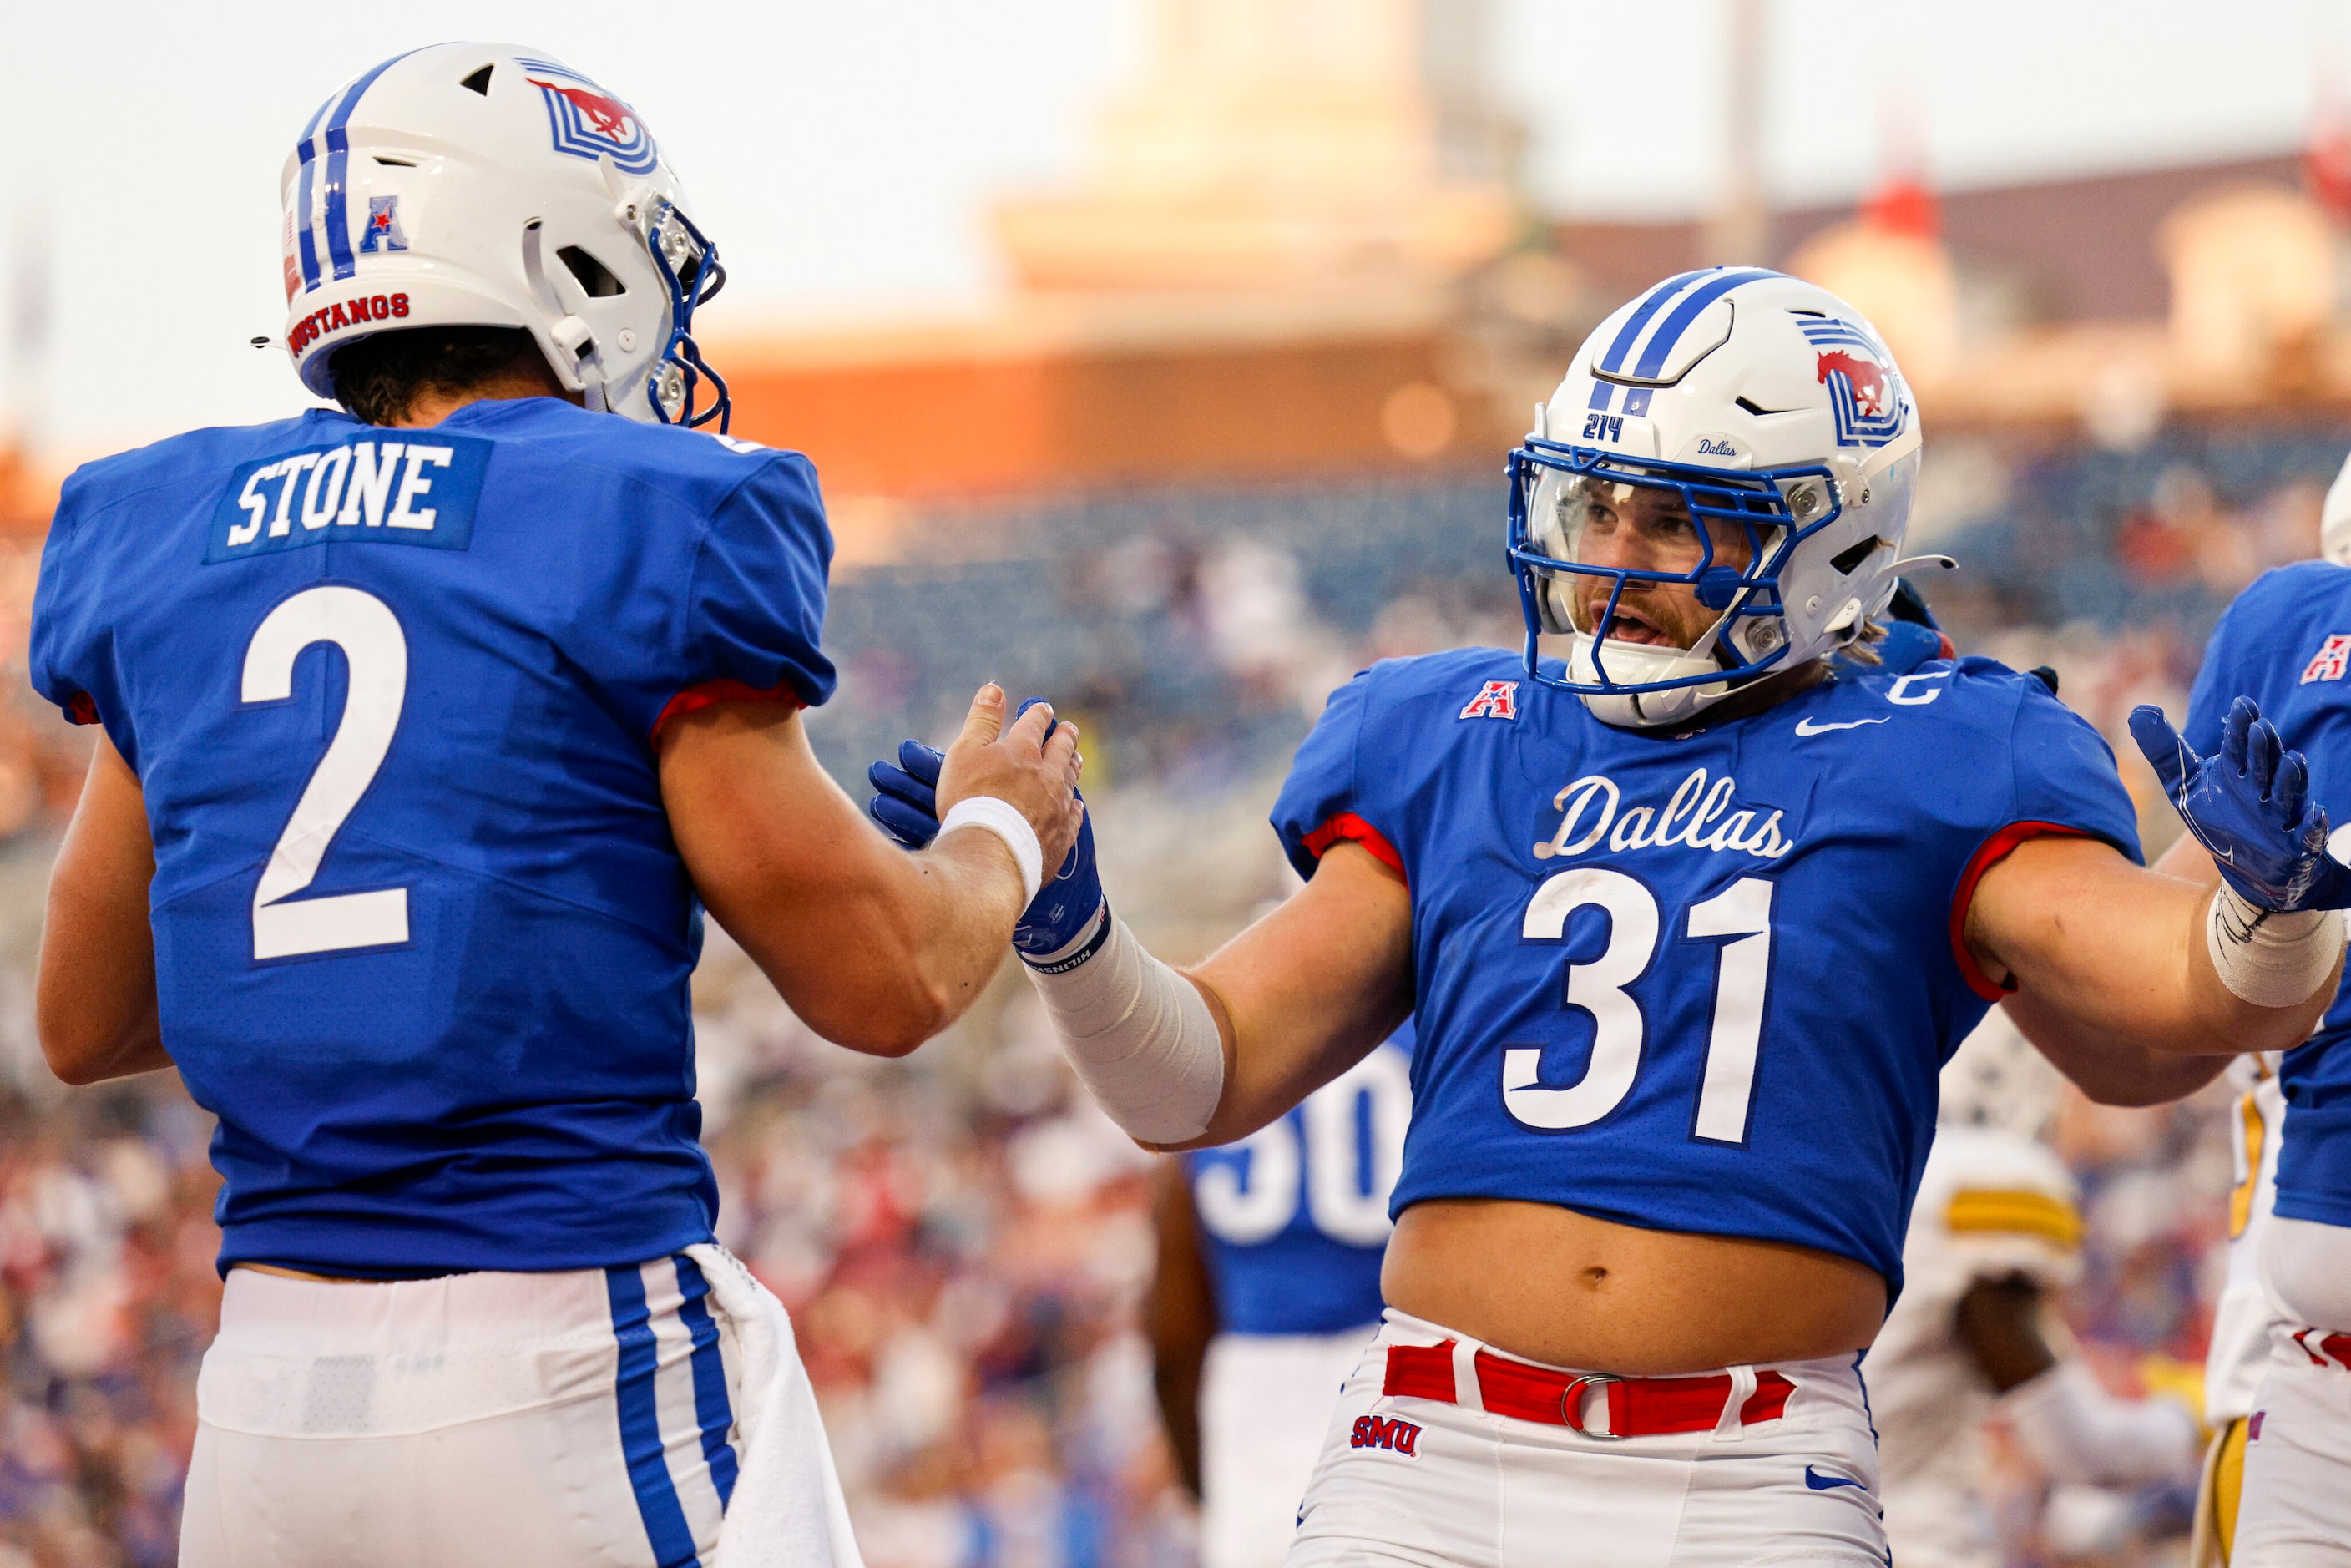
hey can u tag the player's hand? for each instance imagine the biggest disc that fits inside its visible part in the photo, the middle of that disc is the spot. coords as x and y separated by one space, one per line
905 803
1032 765
2248 804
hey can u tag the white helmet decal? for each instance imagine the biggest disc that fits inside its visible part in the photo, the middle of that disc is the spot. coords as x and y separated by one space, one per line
481 184
1778 416
589 123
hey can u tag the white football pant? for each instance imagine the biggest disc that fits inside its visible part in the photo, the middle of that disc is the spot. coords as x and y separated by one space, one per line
1472 1490
1265 1400
2295 1509
523 1420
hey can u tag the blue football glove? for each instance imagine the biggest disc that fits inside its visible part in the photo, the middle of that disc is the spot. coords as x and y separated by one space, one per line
906 804
906 798
2250 805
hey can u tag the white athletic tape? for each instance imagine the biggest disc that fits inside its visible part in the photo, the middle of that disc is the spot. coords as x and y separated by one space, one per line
2270 959
1140 1036
1000 818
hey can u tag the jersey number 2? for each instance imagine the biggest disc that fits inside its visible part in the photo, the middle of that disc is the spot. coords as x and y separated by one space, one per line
376 651
1743 910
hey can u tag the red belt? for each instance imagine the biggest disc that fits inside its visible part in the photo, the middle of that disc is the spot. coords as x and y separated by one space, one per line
1638 1407
2334 1348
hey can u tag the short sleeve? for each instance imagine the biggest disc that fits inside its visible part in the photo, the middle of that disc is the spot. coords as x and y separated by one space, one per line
2064 785
70 660
2065 776
754 620
2218 684
1320 802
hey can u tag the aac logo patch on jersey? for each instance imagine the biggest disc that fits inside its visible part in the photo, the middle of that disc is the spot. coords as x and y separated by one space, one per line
373 491
2328 663
1495 699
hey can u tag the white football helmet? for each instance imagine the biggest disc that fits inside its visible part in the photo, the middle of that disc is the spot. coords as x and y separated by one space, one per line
2335 519
1998 1079
492 185
1774 409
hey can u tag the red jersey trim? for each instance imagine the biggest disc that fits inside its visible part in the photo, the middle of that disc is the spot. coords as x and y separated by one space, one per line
1993 851
710 692
80 709
1349 826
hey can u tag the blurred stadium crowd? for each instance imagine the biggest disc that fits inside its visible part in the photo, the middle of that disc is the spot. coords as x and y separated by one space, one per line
962 1241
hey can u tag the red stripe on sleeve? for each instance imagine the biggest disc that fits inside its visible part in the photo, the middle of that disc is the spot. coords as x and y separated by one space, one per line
710 692
1993 851
1347 826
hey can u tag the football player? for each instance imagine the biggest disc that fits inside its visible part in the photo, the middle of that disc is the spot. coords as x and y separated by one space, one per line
1994 1234
431 726
2285 643
1266 1291
1687 924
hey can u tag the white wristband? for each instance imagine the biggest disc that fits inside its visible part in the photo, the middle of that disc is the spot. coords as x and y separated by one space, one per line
1000 818
2267 959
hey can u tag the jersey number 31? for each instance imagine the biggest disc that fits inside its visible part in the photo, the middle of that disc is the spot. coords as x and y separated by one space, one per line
1742 911
376 650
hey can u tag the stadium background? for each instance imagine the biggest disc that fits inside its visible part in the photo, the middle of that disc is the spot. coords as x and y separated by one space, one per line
1233 428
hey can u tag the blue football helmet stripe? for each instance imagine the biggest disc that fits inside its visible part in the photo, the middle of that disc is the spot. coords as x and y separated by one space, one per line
338 141
1662 342
303 239
1614 360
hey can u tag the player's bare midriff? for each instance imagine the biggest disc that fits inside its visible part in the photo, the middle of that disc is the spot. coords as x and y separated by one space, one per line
301 1274
1555 1286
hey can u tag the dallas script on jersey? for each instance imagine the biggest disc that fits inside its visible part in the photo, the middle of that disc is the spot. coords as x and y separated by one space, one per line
1693 818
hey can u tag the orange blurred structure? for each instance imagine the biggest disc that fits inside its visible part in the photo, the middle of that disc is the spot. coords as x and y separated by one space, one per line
1055 398
1258 272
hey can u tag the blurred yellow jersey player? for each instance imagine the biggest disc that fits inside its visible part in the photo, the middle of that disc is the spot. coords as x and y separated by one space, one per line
2240 1323
1995 1234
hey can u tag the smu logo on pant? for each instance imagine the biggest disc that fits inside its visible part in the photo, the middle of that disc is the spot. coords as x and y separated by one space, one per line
1374 1432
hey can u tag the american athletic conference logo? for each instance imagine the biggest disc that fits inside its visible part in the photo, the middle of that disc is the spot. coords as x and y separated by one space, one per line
589 122
1866 391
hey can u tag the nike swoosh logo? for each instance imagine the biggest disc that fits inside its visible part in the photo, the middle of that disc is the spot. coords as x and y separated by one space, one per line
1810 727
1825 1483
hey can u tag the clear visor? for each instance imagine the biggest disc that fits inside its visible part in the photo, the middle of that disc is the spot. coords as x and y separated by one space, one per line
1644 531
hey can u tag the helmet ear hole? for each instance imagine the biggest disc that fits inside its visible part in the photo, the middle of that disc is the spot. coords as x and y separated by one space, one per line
594 276
1852 556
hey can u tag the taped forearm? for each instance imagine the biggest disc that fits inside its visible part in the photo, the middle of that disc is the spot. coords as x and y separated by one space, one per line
2267 959
1139 1034
2079 1432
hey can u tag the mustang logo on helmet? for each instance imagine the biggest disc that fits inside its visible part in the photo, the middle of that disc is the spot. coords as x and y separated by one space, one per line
1864 389
589 122
610 114
1867 381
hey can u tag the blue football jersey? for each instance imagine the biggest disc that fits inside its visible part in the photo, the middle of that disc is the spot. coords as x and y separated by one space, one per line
1294 1217
1698 981
422 934
2285 643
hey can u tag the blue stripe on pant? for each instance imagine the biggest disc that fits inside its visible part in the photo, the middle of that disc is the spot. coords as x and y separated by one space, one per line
641 1438
711 1411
